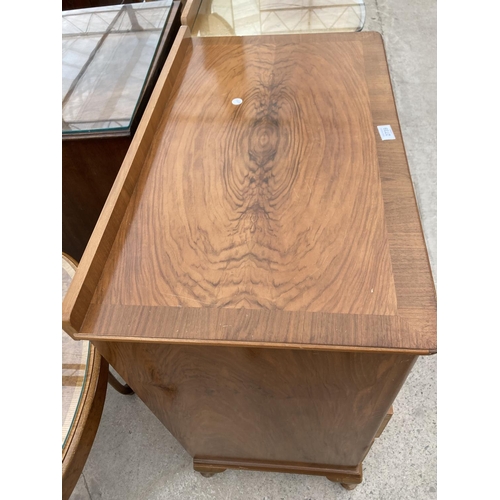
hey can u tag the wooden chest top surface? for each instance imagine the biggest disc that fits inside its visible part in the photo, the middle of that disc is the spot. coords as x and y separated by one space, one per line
282 219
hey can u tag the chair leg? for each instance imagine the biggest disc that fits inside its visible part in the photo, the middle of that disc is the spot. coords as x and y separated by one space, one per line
121 388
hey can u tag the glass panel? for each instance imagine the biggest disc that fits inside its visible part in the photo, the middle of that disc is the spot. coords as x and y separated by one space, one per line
107 55
259 17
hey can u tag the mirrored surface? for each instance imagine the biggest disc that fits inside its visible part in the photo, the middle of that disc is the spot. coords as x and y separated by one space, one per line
255 17
107 54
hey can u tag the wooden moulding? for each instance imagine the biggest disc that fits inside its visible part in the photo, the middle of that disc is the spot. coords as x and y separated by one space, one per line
94 258
190 12
340 474
342 264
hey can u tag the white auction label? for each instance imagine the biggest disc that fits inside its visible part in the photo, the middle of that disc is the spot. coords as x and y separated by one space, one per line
386 133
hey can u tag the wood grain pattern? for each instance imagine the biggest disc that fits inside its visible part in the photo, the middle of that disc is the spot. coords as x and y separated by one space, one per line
259 220
83 286
282 221
250 327
416 294
269 405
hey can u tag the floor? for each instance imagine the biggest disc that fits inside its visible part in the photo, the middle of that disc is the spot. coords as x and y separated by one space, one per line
135 457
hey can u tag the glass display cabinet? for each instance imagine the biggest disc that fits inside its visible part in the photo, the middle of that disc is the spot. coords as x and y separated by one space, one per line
111 59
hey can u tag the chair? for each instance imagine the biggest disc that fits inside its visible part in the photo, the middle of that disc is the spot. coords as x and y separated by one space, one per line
84 382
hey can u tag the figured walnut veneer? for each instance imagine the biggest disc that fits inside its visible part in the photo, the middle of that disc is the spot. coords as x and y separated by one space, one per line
283 220
259 275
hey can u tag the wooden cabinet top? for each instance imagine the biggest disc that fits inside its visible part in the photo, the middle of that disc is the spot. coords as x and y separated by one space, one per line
258 205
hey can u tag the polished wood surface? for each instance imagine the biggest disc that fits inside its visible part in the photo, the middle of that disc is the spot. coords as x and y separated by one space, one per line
283 221
280 408
266 211
90 268
259 275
